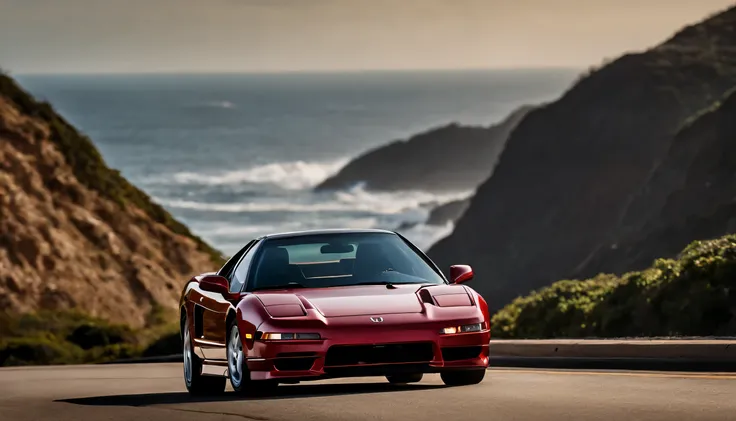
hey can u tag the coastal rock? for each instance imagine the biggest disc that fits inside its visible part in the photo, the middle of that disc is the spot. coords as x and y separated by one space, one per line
449 212
571 169
75 234
448 158
690 196
440 215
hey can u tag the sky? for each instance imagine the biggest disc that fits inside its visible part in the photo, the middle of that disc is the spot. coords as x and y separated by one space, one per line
145 36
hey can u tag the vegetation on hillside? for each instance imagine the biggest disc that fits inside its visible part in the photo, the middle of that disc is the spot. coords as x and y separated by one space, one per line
693 295
68 337
89 167
709 110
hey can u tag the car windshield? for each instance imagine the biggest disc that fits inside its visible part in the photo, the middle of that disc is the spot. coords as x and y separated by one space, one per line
339 259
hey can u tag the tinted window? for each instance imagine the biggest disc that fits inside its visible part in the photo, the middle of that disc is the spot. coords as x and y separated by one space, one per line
227 269
241 272
339 259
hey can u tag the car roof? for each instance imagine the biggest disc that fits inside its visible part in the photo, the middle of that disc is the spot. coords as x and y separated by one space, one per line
324 231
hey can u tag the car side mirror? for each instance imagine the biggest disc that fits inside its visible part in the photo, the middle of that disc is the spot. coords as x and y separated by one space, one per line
215 283
460 273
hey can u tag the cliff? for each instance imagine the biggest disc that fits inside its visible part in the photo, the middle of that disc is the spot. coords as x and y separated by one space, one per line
452 157
74 234
690 195
571 168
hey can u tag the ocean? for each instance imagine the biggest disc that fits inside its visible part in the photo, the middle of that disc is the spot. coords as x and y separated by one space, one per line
235 156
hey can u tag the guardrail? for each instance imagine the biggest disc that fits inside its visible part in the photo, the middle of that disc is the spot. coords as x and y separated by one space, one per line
612 354
626 354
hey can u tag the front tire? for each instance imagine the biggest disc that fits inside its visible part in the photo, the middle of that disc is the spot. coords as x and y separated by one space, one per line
463 378
405 378
238 370
196 383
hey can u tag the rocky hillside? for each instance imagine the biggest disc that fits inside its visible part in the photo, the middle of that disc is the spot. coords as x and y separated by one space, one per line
691 194
452 157
571 169
73 232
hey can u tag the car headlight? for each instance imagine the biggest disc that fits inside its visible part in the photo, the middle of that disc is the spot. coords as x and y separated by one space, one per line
272 336
475 327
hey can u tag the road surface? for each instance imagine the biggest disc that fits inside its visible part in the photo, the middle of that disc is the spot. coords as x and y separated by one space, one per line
156 392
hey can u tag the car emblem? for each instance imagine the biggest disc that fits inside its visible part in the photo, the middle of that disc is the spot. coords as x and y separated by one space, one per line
376 319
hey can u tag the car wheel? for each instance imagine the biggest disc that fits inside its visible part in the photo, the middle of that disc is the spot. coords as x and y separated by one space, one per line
462 378
196 383
238 370
405 378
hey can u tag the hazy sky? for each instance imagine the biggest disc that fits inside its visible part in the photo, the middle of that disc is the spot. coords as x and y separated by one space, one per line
264 35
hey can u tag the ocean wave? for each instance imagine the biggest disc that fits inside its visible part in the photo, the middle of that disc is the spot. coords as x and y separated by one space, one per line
295 175
227 230
394 202
230 237
219 104
244 231
354 200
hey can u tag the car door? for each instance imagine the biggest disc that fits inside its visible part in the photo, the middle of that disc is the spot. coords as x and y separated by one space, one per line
211 308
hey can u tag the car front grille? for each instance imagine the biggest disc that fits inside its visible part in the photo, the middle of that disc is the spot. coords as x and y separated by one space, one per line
377 370
348 355
294 364
461 353
294 361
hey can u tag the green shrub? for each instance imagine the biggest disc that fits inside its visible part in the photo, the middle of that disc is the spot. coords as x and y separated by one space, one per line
38 350
71 337
111 353
692 295
65 324
91 335
64 337
167 344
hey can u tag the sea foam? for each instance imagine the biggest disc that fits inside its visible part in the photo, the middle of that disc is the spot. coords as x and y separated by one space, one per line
294 175
356 199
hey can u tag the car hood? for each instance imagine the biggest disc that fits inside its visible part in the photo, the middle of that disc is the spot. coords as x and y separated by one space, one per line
362 300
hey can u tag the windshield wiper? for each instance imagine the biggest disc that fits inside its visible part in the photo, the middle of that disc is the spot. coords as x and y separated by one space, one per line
284 286
374 283
389 285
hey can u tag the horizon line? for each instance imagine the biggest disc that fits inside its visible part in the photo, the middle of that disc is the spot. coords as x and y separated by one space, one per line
289 72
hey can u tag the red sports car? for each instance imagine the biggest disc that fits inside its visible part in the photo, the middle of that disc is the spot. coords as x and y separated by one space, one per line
334 303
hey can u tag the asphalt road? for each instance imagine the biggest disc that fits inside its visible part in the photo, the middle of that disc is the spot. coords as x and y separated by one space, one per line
156 392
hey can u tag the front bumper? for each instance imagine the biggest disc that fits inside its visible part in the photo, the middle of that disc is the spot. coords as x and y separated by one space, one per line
349 347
